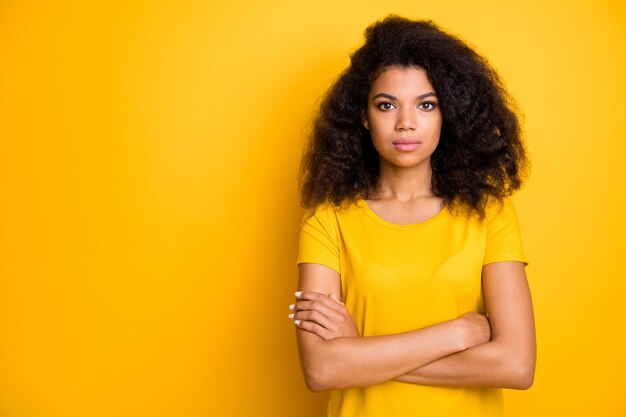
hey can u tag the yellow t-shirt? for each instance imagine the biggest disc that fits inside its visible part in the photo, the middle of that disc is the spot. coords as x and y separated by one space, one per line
396 278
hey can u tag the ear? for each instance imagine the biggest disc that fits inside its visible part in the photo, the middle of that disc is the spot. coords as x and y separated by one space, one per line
364 120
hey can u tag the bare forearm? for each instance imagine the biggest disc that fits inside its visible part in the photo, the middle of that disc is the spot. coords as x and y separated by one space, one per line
362 361
508 360
332 354
493 364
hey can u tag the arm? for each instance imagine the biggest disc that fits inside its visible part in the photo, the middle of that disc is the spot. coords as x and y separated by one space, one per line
330 362
508 360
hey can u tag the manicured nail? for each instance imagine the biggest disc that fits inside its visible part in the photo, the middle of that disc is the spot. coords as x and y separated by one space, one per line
298 293
291 307
297 322
291 316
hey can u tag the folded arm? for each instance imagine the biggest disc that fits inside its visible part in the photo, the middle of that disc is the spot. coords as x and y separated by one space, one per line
333 357
508 360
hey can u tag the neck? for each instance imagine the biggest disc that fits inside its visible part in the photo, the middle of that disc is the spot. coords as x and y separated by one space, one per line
404 183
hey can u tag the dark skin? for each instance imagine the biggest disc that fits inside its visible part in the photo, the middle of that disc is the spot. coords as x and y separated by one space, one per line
468 351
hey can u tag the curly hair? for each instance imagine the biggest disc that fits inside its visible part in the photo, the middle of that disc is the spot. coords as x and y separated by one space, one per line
480 153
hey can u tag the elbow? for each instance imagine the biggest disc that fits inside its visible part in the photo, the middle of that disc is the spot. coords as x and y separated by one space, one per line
522 376
315 386
317 377
525 380
321 368
314 382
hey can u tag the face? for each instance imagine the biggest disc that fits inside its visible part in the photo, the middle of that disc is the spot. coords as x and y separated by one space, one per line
403 117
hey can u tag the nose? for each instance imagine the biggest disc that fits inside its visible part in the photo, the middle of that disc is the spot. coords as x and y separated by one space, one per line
406 119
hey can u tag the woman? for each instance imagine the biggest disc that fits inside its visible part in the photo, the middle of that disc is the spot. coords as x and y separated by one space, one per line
413 299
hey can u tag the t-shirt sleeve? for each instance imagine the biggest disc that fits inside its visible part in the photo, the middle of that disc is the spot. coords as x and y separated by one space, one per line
504 242
319 243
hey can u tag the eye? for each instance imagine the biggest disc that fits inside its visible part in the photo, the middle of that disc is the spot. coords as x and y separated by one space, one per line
427 105
385 106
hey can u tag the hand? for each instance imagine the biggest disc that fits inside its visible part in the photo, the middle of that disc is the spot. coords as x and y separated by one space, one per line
475 329
323 315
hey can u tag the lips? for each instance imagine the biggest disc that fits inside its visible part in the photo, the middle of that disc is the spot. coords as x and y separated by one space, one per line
406 145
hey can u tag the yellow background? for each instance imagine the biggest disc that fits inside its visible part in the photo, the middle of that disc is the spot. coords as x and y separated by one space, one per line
149 214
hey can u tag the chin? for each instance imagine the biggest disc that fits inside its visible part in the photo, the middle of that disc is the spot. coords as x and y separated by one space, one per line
409 163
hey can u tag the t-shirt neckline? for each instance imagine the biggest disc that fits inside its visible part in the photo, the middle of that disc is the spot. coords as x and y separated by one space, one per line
410 226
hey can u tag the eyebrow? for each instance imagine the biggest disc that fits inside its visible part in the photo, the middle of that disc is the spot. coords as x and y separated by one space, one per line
390 97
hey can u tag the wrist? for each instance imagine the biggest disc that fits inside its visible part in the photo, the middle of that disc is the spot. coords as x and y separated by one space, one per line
474 330
461 334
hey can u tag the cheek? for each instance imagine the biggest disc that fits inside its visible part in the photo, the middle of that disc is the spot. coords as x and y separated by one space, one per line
378 135
381 126
434 128
378 142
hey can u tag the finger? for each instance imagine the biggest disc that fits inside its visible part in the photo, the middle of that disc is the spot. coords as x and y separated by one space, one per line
323 308
310 295
315 317
312 327
318 297
314 306
323 303
335 297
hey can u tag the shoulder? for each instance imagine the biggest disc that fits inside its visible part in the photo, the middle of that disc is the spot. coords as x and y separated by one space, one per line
320 237
500 210
321 220
504 241
330 213
493 209
323 216
322 210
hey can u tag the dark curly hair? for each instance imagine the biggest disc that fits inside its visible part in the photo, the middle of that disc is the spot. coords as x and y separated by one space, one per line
480 153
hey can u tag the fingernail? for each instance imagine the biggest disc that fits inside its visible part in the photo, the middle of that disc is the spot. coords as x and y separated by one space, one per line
297 322
291 307
291 316
298 293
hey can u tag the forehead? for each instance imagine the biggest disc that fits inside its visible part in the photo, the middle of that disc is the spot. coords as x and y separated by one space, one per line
402 80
